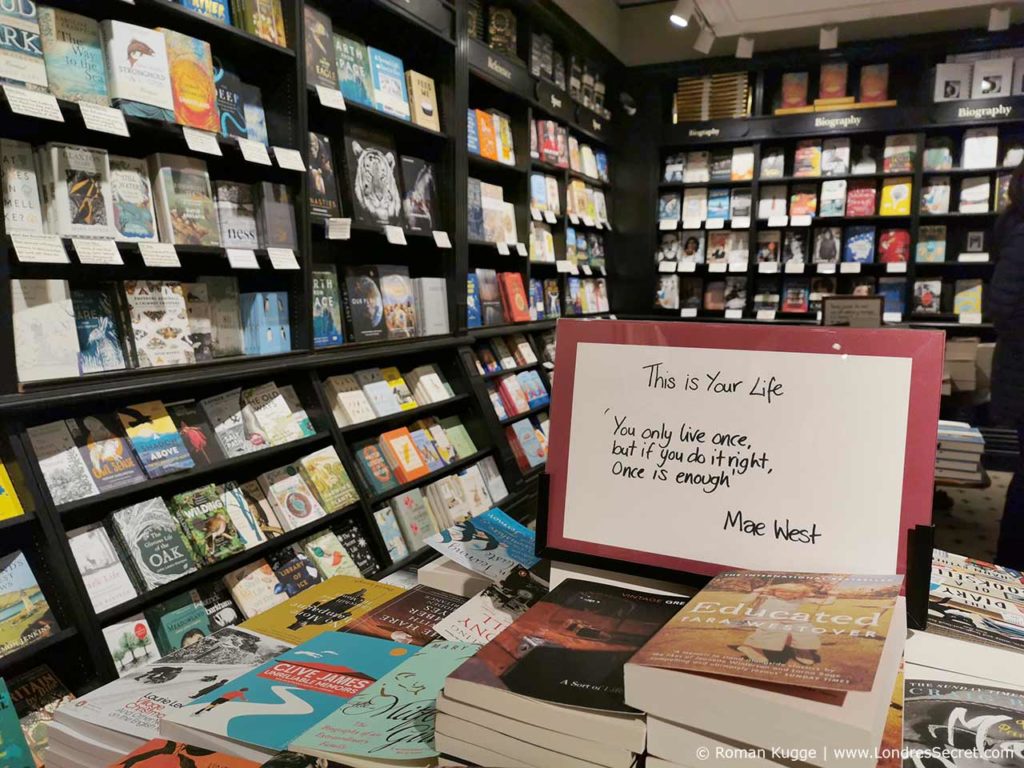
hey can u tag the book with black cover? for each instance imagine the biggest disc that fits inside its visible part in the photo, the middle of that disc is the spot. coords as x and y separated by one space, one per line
321 179
420 201
365 304
371 166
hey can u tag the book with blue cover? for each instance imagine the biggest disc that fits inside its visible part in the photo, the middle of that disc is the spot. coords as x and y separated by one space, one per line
14 752
394 718
536 300
473 317
389 90
472 137
217 10
718 204
476 210
277 702
266 327
21 49
99 335
73 52
491 544
353 63
859 245
892 289
538 191
155 439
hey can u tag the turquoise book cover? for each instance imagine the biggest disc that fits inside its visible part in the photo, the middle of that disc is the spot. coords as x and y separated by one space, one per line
14 751
394 718
389 90
277 702
73 52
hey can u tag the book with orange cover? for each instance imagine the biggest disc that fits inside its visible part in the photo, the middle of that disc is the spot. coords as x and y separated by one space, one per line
485 132
161 753
190 63
514 295
403 455
874 83
832 82
794 90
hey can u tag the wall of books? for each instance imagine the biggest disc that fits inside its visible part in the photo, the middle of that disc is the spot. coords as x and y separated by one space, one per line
247 248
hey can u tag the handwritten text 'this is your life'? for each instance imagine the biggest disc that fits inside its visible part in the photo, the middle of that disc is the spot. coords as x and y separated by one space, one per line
769 388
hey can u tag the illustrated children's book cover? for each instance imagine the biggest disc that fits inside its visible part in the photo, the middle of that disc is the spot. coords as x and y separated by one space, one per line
161 753
155 439
767 626
280 700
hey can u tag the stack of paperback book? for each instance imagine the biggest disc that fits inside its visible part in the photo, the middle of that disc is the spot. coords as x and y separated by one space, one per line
772 660
958 459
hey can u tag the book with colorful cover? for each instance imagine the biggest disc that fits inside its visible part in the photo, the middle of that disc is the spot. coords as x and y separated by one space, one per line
131 644
859 245
138 74
391 534
107 455
400 450
195 432
291 497
155 439
408 618
721 630
25 616
326 607
413 517
243 517
73 52
353 65
491 544
394 718
294 570
325 473
206 524
374 467
14 751
161 753
330 556
10 504
218 10
21 50
280 700
321 65
487 614
569 668
191 67
36 694
390 94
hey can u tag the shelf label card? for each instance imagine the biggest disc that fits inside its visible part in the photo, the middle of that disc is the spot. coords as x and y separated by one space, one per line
535 214
576 220
158 255
896 266
254 151
663 224
683 266
291 159
242 258
691 223
778 221
395 234
969 318
97 251
33 104
563 266
794 267
972 258
339 229
714 224
766 314
441 239
550 218
741 222
666 266
734 314
331 98
688 312
282 258
737 266
892 317
502 248
201 141
521 249
586 269
103 119
800 221
826 269
850 267
573 269
587 221
718 267
768 268
600 269
40 249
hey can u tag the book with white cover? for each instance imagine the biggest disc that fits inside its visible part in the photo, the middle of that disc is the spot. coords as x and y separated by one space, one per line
19 183
682 745
77 197
492 478
448 576
772 202
952 81
225 414
833 198
293 501
742 163
980 148
992 78
225 314
272 413
427 385
733 710
835 157
476 489
695 204
350 403
697 169
45 335
382 398
996 666
103 573
67 476
975 193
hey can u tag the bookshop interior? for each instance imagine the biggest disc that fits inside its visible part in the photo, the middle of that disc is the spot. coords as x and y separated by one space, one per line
287 479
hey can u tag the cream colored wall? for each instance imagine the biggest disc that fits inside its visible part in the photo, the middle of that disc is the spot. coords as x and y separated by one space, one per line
601 18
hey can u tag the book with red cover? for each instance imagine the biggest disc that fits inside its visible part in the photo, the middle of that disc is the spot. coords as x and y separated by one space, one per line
161 753
832 82
894 245
516 304
485 132
861 197
408 618
401 452
512 395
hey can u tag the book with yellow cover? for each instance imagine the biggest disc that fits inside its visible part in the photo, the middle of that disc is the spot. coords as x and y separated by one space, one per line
191 67
10 506
896 196
423 100
393 378
485 132
324 607
753 624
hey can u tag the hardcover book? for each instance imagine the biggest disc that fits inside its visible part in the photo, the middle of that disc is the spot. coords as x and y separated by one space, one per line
389 91
13 747
191 68
742 624
896 194
874 83
152 540
321 67
413 517
420 203
860 245
243 517
64 470
835 157
294 570
967 296
927 296
293 501
352 536
807 160
36 695
391 534
185 208
893 245
423 100
25 616
316 678
860 198
931 243
132 196
225 315
794 90
353 64
236 215
101 346
322 182
276 216
104 575
330 555
230 103
139 76
365 303
73 52
372 169
77 198
255 588
155 439
266 324
324 608
131 644
197 305
900 153
273 415
255 117
935 195
10 505
400 310
217 10
327 328
21 49
196 432
206 524
107 456
324 472
23 211
832 80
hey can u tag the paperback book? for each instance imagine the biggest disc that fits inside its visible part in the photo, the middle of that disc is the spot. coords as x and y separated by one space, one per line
153 542
206 524
155 439
408 618
25 616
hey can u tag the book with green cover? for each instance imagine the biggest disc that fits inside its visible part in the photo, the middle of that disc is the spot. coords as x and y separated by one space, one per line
324 472
206 524
458 436
14 751
152 540
353 65
178 623
327 329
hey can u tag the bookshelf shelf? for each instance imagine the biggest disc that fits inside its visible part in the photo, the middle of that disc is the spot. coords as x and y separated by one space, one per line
359 112
525 414
507 371
421 556
220 568
459 464
958 215
384 423
498 330
591 180
486 164
275 455
30 653
968 171
16 522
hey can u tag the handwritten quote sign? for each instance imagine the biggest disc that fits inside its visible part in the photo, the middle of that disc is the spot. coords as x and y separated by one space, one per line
702 449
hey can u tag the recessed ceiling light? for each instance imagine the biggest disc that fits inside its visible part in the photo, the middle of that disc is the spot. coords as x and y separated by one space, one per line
681 14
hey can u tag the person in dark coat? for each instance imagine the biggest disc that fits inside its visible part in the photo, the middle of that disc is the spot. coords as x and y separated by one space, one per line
1004 300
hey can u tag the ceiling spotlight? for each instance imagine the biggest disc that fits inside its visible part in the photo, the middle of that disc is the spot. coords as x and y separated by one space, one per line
744 47
828 38
998 19
681 14
705 40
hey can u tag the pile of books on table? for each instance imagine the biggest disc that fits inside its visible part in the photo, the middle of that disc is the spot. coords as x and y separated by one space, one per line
960 449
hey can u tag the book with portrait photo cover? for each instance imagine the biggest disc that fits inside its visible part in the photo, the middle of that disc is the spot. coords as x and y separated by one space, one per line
821 631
